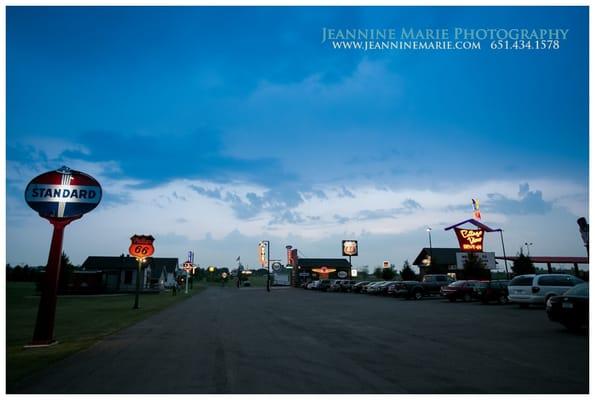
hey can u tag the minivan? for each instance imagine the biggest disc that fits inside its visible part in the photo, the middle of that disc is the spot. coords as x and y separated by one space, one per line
537 289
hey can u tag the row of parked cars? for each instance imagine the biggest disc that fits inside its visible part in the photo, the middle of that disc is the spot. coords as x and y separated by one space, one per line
565 297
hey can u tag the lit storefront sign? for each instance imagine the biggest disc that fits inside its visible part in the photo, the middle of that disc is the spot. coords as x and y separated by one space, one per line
470 240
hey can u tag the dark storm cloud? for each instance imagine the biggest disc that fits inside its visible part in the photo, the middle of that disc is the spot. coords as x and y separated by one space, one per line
529 202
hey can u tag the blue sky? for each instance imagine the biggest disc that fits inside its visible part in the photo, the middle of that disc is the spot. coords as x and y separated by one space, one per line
212 128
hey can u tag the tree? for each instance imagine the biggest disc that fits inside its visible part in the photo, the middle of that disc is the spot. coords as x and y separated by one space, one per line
407 274
523 265
66 270
388 274
377 272
474 268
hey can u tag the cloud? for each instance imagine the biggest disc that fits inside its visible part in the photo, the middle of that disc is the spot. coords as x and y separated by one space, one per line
529 202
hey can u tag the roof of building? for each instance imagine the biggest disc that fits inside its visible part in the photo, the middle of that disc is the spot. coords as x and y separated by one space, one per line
323 262
106 263
440 256
551 260
475 222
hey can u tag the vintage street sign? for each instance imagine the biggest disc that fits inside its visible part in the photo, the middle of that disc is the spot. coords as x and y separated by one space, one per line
224 275
141 246
262 253
187 266
63 193
488 259
60 196
385 264
350 247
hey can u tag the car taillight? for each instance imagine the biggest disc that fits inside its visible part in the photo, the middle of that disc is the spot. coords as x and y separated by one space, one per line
535 289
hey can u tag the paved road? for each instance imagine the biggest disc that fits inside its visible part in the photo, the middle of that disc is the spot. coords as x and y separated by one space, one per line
226 340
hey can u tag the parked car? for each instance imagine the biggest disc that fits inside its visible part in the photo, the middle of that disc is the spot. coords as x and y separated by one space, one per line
313 285
459 290
347 285
430 285
335 285
357 287
492 291
572 308
371 287
537 289
324 284
385 287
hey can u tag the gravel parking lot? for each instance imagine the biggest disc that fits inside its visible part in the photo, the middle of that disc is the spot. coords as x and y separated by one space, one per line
228 340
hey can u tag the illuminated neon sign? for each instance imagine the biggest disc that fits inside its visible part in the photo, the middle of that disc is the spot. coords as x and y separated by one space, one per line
470 240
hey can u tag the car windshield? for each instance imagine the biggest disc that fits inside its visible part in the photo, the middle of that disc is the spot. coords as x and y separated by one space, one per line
582 290
458 284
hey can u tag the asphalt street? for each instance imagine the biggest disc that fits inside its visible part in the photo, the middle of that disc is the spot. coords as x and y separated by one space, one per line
228 340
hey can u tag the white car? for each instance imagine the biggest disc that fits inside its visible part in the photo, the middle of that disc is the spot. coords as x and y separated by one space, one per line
537 289
313 285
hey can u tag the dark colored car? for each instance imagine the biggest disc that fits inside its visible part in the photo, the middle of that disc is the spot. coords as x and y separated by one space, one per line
459 290
324 284
492 291
357 288
571 309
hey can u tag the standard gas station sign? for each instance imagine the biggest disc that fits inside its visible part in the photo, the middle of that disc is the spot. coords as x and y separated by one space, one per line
60 196
63 193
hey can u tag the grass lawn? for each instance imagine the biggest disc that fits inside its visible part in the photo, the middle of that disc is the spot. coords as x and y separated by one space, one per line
80 322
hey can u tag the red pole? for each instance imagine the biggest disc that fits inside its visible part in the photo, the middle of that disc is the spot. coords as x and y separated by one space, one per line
46 313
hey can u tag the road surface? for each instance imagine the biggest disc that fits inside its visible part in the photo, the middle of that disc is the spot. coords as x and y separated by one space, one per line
228 340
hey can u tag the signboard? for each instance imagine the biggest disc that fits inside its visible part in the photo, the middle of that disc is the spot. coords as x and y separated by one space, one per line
63 193
470 240
224 275
385 264
187 266
350 247
488 259
60 196
304 274
262 253
323 270
354 273
277 266
141 246
342 274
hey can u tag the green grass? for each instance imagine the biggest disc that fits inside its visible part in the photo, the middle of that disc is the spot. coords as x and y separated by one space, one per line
80 322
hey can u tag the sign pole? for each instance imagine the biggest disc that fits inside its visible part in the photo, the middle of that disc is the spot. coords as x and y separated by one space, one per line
504 254
187 281
46 313
140 263
268 266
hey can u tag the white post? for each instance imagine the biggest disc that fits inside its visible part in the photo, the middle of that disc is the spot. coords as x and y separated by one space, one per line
186 281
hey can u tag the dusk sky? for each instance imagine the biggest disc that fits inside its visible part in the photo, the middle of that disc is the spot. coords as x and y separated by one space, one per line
213 128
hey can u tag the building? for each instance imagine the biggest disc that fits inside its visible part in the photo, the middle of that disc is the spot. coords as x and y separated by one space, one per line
118 274
449 261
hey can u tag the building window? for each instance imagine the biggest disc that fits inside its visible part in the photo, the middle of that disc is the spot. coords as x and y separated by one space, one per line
127 277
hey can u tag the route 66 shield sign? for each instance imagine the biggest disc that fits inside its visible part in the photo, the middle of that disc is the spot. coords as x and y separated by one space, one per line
141 246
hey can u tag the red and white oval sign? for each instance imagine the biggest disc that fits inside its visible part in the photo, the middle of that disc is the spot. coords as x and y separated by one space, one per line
64 193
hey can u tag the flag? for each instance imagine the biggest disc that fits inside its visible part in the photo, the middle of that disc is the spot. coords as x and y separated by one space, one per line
476 212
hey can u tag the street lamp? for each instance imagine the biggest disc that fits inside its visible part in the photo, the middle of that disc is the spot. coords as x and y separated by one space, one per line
528 248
